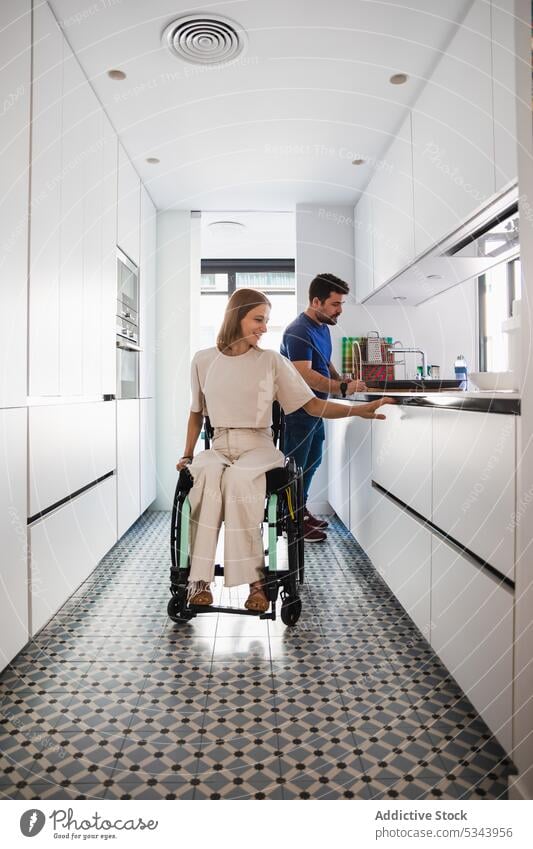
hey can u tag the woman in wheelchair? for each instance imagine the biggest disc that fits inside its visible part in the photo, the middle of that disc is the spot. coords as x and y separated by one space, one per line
235 383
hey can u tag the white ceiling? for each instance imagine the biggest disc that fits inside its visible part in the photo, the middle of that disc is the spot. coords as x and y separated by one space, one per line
282 124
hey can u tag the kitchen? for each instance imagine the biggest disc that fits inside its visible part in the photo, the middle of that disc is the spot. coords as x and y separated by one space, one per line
109 146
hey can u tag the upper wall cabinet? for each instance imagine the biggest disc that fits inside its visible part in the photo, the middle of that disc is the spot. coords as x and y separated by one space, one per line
47 85
391 191
504 90
363 244
453 141
129 207
15 49
147 296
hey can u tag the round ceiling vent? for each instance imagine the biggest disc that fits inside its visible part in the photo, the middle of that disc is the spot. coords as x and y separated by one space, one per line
227 226
205 39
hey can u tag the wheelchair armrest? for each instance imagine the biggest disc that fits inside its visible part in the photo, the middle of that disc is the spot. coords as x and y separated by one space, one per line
185 481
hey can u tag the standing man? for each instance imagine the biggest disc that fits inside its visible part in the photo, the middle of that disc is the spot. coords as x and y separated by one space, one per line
307 343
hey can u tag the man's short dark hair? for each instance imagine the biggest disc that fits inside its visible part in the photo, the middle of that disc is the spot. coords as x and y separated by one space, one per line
322 285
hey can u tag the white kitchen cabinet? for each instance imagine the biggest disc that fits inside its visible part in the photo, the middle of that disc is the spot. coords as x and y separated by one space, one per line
108 220
128 460
73 141
67 545
472 632
401 552
148 452
360 476
453 139
504 91
363 242
129 207
13 533
147 282
45 203
338 459
391 190
402 455
15 82
92 247
70 446
474 461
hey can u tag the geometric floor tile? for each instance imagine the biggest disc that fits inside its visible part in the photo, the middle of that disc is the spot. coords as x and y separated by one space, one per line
112 700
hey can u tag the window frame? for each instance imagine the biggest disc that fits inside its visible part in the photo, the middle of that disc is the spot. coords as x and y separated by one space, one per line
232 266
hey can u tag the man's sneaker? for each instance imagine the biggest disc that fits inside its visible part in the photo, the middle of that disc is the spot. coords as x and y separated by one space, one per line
321 524
312 534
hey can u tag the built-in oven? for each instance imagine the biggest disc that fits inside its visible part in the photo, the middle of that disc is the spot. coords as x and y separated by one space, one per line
127 327
127 367
127 286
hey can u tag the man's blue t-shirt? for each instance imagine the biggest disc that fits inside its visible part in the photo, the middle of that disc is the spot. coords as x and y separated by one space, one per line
304 339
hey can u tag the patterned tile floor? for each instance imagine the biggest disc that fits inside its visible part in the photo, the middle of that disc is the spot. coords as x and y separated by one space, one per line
113 700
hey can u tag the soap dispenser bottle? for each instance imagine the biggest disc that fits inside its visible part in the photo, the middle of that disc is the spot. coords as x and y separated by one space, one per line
461 371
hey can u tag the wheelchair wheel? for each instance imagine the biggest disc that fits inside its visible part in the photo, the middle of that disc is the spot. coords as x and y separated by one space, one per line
291 608
291 605
300 525
176 607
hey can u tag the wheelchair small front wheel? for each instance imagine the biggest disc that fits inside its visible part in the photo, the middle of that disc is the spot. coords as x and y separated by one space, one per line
291 609
176 609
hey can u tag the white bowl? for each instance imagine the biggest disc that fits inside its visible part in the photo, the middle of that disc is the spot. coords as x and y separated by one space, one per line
495 380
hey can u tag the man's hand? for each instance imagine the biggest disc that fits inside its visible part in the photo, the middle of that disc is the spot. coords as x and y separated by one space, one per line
369 411
356 386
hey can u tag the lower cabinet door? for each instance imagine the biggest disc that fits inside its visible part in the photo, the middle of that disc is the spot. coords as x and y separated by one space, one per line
128 462
400 549
472 632
148 465
13 534
338 457
66 546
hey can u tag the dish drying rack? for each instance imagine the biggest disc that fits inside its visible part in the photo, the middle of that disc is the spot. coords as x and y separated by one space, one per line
372 357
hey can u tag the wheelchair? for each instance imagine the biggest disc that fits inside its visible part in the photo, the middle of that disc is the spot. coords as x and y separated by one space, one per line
284 511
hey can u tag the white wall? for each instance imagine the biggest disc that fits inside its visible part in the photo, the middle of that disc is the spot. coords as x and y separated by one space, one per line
523 662
173 348
447 325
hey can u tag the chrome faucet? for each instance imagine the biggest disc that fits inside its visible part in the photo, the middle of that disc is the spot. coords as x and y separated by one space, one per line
394 350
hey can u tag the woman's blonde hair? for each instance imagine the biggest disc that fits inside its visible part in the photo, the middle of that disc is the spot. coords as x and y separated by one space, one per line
239 305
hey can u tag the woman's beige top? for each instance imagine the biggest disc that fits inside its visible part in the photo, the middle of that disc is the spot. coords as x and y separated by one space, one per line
239 391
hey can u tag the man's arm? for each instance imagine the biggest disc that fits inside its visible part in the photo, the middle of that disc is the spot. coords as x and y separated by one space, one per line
316 380
333 373
330 385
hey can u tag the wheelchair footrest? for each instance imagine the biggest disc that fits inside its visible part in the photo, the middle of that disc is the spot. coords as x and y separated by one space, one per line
201 608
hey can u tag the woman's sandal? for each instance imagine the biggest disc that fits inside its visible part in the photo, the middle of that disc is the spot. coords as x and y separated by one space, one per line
257 600
202 596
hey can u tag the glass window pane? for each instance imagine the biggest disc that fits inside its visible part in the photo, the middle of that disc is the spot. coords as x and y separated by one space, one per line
265 280
214 283
496 312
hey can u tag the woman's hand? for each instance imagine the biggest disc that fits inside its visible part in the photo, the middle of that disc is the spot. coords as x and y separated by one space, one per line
368 411
183 462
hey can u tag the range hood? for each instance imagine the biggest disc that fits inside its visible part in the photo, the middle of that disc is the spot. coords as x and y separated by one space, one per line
490 237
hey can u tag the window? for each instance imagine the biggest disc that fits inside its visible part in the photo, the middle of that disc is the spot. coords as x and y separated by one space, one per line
497 289
221 277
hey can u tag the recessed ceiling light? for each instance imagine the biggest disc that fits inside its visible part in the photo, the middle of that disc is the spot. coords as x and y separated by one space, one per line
115 74
358 161
153 160
398 79
399 298
433 276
